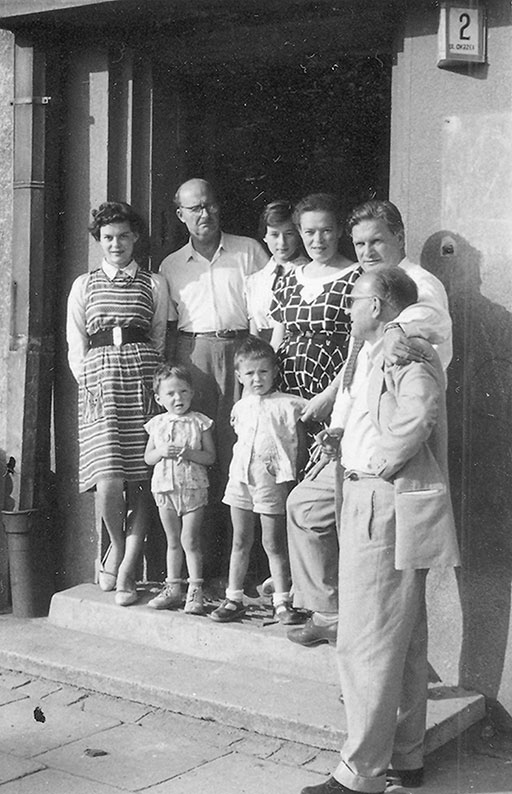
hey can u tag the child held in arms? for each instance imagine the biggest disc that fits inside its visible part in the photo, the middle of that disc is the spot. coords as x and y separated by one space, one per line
266 457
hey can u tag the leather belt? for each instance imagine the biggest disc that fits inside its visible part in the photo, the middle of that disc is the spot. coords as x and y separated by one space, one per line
353 475
225 333
117 336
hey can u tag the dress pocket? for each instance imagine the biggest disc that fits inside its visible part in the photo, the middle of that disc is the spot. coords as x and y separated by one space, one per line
92 403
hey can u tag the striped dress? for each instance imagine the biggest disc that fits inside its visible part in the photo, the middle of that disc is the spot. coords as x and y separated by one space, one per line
115 389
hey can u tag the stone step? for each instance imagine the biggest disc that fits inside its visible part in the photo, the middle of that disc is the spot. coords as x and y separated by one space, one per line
257 641
247 674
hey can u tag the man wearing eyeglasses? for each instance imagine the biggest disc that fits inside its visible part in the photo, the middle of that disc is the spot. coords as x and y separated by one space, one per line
396 523
378 236
208 315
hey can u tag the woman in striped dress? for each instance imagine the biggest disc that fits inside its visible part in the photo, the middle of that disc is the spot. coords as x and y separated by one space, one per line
116 327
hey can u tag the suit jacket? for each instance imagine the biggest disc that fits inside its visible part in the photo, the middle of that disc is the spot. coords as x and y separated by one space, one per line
407 404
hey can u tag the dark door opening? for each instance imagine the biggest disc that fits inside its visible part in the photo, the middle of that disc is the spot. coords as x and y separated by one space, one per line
276 133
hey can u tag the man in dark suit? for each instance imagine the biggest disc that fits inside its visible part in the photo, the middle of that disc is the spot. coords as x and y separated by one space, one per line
396 522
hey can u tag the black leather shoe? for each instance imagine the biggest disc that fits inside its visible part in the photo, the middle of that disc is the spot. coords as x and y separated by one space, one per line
407 778
310 634
330 786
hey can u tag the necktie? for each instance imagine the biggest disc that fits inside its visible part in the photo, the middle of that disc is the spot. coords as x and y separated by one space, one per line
348 374
278 277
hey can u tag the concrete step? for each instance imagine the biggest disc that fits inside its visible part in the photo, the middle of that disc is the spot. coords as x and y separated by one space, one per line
239 675
257 641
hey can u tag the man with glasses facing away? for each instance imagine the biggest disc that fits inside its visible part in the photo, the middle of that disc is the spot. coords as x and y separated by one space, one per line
396 523
208 318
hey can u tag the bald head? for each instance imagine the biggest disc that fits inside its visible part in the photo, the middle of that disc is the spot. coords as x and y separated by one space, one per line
392 285
193 185
197 208
379 296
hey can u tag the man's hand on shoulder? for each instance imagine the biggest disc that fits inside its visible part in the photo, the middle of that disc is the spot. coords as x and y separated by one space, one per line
399 349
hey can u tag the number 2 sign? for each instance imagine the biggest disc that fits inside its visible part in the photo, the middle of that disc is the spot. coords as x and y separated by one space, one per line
462 35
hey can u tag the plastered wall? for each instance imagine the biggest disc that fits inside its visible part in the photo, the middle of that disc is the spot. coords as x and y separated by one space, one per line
451 175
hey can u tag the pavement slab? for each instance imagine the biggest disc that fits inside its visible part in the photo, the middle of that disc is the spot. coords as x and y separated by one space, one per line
10 679
23 735
65 696
51 781
134 757
457 770
294 754
10 695
235 774
212 732
38 688
122 710
12 767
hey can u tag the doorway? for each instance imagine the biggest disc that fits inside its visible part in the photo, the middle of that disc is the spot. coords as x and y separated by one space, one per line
275 133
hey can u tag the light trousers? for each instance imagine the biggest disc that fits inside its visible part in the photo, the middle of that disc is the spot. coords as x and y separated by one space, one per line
382 642
313 539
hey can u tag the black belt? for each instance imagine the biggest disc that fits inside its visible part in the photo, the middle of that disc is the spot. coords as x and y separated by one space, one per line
225 333
117 336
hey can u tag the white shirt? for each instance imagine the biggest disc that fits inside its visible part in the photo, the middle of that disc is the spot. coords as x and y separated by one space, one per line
351 412
266 429
259 294
209 295
430 316
78 341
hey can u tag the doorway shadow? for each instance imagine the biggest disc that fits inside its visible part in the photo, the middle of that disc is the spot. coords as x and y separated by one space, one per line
479 399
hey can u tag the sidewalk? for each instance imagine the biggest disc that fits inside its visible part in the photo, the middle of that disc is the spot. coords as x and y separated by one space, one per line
61 739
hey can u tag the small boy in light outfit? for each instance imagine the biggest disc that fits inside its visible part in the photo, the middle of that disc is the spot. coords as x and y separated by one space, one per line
266 455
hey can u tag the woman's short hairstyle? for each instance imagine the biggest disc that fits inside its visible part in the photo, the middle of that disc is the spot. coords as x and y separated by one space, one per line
275 214
319 202
115 212
164 371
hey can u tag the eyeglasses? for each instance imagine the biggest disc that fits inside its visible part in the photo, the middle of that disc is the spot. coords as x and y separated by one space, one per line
349 299
210 207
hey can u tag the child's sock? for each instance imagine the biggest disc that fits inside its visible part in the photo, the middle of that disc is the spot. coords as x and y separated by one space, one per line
280 599
234 595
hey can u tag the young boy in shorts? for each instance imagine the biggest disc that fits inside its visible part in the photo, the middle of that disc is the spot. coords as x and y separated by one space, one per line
266 458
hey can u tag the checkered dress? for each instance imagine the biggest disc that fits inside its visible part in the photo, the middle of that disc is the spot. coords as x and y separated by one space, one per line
115 390
317 333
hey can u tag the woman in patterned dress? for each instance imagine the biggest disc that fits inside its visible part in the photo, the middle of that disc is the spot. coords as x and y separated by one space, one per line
313 328
116 327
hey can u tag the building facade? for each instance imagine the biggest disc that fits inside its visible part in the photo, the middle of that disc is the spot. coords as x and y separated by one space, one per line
123 99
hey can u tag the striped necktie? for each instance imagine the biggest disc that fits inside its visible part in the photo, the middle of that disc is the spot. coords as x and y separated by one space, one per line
350 365
278 277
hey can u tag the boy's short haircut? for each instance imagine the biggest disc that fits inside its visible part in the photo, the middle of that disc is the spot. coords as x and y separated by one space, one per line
164 371
254 347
